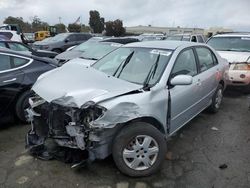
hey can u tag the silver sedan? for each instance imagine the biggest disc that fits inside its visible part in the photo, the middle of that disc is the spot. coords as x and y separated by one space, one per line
127 103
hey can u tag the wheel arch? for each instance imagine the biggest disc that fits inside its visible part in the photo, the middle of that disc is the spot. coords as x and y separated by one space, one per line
151 120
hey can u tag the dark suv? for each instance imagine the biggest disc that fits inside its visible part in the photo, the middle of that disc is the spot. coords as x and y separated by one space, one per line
61 42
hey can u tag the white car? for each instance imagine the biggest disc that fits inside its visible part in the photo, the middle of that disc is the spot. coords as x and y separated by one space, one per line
235 47
11 35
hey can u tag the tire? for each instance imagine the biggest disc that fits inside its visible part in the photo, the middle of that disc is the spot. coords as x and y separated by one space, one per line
57 50
141 132
216 100
21 104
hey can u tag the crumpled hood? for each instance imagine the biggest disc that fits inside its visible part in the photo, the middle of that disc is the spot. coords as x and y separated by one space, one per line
69 55
74 84
234 56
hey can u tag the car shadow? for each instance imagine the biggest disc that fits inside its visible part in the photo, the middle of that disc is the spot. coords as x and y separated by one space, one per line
235 92
9 123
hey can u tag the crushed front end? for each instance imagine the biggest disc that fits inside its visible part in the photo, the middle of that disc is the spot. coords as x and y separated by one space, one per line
66 132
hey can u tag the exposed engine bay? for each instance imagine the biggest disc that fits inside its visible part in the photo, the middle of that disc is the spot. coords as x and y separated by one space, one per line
61 132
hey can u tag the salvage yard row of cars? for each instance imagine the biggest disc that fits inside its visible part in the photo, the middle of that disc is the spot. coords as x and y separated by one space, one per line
118 96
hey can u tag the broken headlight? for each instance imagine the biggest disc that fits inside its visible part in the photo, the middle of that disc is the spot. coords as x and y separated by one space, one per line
92 113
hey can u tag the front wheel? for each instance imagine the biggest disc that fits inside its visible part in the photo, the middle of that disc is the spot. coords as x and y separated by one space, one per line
22 104
216 100
139 149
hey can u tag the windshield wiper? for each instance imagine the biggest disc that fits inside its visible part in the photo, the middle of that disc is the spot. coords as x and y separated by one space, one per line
88 58
123 64
151 73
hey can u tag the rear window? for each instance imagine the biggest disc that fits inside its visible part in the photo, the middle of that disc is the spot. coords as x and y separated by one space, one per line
7 34
240 44
18 62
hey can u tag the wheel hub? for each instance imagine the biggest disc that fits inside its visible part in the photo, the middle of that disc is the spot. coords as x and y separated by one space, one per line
141 153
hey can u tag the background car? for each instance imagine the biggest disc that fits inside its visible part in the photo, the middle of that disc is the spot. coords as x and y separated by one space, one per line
89 51
127 103
235 47
93 49
61 42
3 38
11 35
18 46
187 37
18 72
121 40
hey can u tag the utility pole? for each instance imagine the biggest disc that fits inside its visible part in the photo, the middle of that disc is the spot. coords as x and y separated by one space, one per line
60 19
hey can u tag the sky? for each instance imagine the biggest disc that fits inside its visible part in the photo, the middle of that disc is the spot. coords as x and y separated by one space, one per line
234 14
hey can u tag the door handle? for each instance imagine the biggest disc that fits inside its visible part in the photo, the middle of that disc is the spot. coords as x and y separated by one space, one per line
198 82
11 80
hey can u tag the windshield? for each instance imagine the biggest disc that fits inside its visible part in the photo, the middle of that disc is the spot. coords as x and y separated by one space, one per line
241 44
97 50
82 47
135 65
59 37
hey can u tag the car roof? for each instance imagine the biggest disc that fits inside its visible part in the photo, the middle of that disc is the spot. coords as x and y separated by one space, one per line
233 35
121 40
164 44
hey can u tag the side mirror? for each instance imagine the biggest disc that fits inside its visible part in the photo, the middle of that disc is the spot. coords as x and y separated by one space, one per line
181 80
66 40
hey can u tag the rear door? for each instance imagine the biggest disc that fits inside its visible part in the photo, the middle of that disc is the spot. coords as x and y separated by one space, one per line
11 78
210 74
185 99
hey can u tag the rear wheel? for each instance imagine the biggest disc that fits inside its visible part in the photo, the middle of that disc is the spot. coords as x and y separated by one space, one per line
216 100
139 150
22 104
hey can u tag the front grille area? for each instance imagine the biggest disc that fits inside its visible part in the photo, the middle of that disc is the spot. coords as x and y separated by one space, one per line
54 117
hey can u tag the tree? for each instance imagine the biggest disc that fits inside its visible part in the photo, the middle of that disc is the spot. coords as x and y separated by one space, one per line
25 26
85 29
38 25
96 22
74 28
61 28
115 28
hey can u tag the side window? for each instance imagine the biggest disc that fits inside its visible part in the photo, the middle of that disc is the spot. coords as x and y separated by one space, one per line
200 39
18 62
7 34
72 38
4 62
193 39
206 59
185 64
80 37
17 47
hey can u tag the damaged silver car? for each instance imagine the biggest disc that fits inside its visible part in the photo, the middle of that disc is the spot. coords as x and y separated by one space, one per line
125 105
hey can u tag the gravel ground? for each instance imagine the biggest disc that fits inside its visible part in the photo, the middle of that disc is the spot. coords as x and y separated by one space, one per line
195 155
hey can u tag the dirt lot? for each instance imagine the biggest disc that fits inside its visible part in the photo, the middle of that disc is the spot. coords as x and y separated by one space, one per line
193 159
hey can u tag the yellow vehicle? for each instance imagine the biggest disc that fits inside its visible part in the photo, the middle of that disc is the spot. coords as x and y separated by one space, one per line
40 35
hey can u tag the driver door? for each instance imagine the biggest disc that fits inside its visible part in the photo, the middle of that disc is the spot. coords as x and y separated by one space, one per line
184 98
